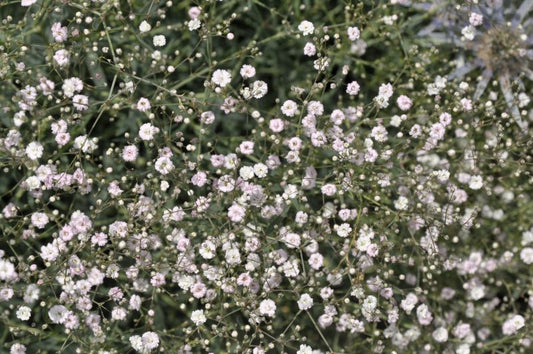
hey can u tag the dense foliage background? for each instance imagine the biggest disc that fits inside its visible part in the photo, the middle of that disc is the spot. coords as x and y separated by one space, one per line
266 176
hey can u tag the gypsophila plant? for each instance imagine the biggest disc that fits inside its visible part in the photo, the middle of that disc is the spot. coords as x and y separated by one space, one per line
228 176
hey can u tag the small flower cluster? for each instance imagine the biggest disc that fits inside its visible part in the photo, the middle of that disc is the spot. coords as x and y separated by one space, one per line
252 178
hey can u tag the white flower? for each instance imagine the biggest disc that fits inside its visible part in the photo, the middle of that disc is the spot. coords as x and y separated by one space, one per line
62 57
24 313
321 64
305 302
386 90
135 302
136 343
401 203
27 2
34 150
353 88
236 213
468 32
370 303
49 252
475 19
476 182
233 256
160 40
58 313
150 341
80 102
289 108
523 99
267 308
71 86
247 71
144 27
156 55
85 144
147 131
389 20
19 118
39 220
33 182
198 317
17 348
442 175
440 334
526 255
143 104
409 302
164 165
246 172
221 77
118 313
309 49
513 324
343 230
304 349
194 24
290 192
259 89
207 249
260 170
353 33
306 27
379 133
292 240
7 270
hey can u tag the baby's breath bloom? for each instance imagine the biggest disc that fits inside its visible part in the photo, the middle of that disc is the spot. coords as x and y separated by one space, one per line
147 131
476 182
306 27
34 150
267 308
353 33
247 71
159 40
513 324
23 313
221 77
144 27
305 302
198 317
353 88
289 108
27 2
143 104
309 49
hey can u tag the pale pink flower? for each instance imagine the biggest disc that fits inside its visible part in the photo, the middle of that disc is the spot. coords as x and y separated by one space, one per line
130 152
143 104
309 49
353 88
221 77
247 147
59 32
353 33
289 108
80 102
276 125
404 102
